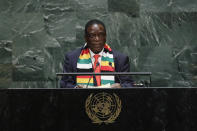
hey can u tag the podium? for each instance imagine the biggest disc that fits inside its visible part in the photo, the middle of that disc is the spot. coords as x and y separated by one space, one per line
142 109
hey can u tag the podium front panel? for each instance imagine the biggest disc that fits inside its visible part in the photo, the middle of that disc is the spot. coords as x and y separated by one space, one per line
136 109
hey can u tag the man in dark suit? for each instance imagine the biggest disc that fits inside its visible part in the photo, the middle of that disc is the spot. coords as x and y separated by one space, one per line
95 56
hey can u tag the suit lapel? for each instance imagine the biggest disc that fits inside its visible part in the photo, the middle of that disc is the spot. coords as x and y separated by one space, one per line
75 59
115 61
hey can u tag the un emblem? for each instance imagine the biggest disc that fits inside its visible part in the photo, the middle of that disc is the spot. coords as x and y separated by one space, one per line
103 107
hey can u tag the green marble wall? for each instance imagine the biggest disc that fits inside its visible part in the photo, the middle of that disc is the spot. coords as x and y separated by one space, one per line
158 35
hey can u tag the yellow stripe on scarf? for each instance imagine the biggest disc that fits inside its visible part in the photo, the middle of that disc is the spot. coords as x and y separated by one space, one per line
106 63
84 56
84 80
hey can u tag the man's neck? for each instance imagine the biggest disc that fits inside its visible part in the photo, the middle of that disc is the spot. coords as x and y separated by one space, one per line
100 53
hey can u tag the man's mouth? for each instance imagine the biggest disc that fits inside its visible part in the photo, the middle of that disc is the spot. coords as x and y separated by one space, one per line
96 43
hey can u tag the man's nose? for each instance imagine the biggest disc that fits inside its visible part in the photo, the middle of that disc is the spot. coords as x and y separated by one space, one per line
96 37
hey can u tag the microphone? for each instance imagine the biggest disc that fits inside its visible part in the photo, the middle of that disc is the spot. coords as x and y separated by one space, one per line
110 64
97 64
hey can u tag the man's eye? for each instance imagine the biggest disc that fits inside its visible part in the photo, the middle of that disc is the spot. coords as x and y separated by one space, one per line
101 34
94 35
91 35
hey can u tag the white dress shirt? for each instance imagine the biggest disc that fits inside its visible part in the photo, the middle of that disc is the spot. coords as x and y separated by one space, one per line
92 56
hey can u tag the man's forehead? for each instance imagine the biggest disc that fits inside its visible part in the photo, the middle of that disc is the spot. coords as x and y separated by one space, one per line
96 26
95 31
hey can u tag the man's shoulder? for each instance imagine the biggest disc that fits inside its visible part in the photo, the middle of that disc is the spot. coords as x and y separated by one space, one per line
119 54
74 52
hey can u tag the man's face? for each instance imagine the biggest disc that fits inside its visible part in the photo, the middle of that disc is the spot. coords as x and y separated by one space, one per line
96 37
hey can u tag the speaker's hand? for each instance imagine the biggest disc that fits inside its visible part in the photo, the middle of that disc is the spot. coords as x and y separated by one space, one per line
80 86
116 85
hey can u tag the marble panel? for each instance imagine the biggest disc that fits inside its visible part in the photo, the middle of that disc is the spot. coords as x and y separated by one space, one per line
5 52
5 75
129 7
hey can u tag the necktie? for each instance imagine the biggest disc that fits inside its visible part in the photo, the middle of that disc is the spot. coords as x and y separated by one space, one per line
97 69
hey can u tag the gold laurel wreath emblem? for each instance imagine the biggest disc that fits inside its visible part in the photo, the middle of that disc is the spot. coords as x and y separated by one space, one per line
112 115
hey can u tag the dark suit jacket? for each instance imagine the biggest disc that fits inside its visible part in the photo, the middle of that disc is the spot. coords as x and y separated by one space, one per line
121 62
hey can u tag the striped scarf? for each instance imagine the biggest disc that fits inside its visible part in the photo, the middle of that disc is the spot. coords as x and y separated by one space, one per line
84 64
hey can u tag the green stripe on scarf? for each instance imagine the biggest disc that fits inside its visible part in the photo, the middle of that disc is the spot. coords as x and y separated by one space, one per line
107 59
104 82
90 84
84 61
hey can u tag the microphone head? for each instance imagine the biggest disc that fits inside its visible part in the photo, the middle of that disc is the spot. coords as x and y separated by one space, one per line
110 63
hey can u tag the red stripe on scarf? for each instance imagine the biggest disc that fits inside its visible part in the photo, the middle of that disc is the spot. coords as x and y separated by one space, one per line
107 47
107 68
84 76
85 51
